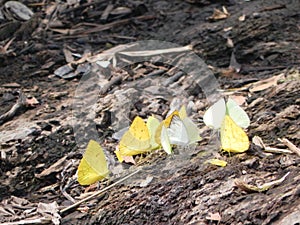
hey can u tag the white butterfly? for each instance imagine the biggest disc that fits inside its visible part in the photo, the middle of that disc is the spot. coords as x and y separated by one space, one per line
215 114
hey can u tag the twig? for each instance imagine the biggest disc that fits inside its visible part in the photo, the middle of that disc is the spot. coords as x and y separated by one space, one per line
14 109
83 32
173 78
277 150
106 12
113 81
42 220
97 193
290 145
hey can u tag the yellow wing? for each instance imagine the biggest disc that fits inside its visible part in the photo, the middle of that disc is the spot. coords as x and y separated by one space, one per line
182 112
168 120
93 165
136 140
153 124
233 138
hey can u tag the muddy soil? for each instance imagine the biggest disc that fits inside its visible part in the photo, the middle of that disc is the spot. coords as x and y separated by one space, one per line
254 41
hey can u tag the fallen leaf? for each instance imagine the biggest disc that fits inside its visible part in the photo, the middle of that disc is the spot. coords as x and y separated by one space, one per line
56 167
242 18
68 55
219 15
19 10
239 99
128 159
266 83
50 210
11 85
258 141
214 217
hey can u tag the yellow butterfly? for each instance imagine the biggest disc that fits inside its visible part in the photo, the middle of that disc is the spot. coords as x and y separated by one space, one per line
229 118
233 138
93 165
153 124
140 138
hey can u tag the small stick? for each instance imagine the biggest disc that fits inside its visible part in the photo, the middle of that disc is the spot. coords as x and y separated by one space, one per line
106 12
113 81
290 145
20 104
97 193
173 78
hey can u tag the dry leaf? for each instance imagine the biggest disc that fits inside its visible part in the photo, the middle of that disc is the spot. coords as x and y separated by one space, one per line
19 10
50 210
128 159
214 217
258 141
219 15
242 18
56 167
239 99
266 83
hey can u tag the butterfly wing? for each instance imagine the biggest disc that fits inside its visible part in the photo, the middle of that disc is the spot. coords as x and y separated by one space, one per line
214 115
177 132
153 124
233 138
93 165
136 140
165 141
192 130
182 112
191 127
238 115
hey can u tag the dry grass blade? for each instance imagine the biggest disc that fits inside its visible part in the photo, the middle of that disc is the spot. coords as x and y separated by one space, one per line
98 193
157 52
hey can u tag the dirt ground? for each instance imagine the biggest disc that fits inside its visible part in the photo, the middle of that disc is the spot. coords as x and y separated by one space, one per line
40 153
